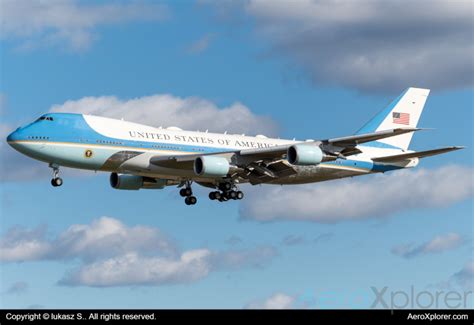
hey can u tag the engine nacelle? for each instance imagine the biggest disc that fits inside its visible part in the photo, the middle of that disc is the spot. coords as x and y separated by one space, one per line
304 154
209 166
133 182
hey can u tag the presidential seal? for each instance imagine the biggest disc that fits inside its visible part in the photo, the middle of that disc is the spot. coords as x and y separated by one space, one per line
88 153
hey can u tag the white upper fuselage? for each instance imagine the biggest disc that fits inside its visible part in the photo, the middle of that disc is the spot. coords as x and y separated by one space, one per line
123 130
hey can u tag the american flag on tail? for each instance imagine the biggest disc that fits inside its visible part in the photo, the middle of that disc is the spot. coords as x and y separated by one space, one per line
401 118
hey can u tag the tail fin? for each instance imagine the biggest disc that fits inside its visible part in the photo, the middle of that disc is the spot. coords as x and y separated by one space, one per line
405 111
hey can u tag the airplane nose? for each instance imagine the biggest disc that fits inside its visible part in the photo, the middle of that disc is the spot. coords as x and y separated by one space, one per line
15 135
12 139
15 140
12 136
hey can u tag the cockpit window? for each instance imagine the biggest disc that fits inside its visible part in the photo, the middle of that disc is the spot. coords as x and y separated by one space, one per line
47 118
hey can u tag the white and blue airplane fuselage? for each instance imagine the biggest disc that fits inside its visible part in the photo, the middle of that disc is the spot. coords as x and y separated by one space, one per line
140 156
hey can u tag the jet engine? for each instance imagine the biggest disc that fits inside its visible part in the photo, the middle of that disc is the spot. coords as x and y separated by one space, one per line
304 154
133 182
209 166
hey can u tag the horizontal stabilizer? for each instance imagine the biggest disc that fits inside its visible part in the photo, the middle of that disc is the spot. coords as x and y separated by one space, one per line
419 154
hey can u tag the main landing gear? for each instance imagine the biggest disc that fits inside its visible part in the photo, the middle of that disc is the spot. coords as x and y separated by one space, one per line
228 191
187 193
56 180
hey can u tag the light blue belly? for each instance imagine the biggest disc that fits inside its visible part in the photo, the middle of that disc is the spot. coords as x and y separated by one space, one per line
75 155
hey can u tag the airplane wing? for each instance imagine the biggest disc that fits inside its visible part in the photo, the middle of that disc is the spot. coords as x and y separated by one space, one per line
419 154
264 164
333 146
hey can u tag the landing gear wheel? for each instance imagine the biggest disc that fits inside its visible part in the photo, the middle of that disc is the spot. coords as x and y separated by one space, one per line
58 181
187 193
232 195
216 195
190 200
240 195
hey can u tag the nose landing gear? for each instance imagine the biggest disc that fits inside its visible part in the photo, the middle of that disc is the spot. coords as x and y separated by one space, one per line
56 180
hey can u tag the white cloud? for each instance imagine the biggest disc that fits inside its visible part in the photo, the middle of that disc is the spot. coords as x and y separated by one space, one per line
191 113
109 237
367 45
276 301
438 244
113 254
132 269
460 280
351 199
20 244
234 240
258 257
190 266
56 22
18 288
323 237
465 277
292 240
201 44
104 237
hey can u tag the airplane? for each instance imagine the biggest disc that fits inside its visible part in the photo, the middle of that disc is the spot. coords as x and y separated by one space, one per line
146 157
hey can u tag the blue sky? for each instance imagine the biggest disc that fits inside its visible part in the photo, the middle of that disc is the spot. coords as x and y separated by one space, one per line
277 72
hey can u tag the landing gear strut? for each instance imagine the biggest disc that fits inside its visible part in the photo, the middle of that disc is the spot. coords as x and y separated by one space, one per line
187 193
229 191
56 180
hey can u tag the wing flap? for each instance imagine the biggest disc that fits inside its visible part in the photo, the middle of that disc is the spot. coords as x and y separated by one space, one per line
261 174
419 154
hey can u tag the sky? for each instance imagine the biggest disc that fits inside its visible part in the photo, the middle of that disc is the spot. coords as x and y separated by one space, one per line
299 69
